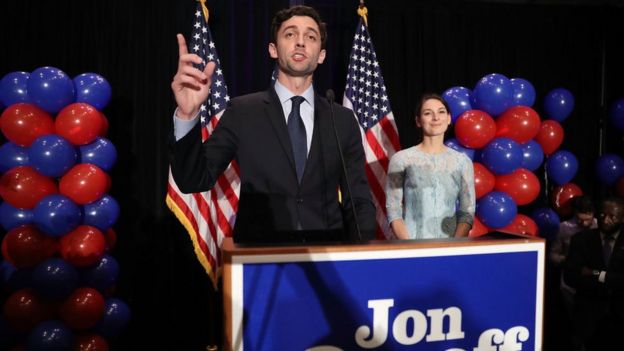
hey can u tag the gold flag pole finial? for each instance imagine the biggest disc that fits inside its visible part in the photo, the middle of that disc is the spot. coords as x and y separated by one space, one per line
204 9
363 12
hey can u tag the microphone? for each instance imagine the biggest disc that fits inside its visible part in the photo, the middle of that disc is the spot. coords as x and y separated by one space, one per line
330 98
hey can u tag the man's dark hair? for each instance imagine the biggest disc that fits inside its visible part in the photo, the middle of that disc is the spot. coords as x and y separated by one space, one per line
299 10
582 204
613 200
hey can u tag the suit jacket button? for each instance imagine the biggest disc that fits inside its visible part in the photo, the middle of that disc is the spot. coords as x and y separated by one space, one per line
299 200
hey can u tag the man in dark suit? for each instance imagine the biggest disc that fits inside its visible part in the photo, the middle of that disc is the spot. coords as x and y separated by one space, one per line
595 268
283 141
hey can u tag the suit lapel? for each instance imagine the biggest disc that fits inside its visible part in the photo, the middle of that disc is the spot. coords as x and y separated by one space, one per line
320 110
618 249
274 112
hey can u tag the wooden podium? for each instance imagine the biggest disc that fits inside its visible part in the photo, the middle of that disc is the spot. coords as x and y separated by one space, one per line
462 294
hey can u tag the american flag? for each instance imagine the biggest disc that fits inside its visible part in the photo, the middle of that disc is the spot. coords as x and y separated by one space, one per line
365 94
209 216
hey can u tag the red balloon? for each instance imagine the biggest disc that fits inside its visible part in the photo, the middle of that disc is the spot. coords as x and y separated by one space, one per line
111 239
561 196
22 123
521 224
23 187
483 178
520 123
82 309
84 183
27 246
5 253
550 136
522 185
474 129
619 187
83 246
24 309
90 342
105 125
80 123
478 229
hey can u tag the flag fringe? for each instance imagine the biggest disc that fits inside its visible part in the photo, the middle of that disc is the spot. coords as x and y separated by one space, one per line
193 235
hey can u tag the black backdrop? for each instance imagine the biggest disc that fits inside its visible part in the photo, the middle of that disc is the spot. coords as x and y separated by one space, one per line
421 46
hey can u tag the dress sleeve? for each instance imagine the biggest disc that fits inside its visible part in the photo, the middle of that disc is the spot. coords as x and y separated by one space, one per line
394 188
465 213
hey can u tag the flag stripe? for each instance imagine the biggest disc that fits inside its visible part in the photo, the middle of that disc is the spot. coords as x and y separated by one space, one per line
208 216
365 94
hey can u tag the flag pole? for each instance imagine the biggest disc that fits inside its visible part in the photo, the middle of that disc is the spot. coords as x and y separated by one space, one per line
363 12
211 301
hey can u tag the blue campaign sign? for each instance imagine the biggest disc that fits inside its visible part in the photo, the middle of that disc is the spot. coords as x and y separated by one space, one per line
474 297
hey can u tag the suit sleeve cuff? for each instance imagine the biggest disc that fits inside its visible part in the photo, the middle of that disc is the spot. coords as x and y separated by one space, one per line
602 276
181 127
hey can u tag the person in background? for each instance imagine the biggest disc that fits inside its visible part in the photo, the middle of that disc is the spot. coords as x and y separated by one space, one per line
430 189
595 268
283 142
582 219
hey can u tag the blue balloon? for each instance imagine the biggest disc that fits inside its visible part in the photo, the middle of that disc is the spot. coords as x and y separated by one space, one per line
496 209
616 114
116 317
56 215
532 155
458 99
102 213
523 92
102 275
502 156
12 155
561 167
14 279
51 335
547 222
52 155
54 278
101 152
493 94
92 89
455 145
609 168
13 217
558 104
51 89
13 88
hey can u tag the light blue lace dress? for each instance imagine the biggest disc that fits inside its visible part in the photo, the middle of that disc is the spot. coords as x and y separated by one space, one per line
430 192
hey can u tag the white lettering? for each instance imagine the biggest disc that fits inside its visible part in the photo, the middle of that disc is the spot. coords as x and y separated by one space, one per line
512 336
489 339
399 327
379 334
436 320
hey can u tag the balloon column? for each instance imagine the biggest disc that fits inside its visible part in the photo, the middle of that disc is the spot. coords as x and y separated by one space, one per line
57 270
497 127
610 166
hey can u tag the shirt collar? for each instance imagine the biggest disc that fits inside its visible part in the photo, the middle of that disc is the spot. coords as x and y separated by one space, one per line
284 94
614 235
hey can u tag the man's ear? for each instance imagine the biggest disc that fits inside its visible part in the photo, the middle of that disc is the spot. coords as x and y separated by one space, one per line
321 57
273 50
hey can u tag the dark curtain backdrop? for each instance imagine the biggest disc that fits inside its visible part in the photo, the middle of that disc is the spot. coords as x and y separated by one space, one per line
421 45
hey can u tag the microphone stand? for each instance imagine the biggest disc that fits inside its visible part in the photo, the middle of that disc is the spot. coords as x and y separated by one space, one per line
330 97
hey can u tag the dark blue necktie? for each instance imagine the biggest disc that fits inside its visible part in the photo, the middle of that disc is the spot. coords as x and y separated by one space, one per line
297 132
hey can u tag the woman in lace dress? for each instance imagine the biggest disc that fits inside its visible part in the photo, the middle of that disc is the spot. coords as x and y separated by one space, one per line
430 189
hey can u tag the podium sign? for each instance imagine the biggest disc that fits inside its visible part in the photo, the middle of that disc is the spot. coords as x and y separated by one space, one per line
454 295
